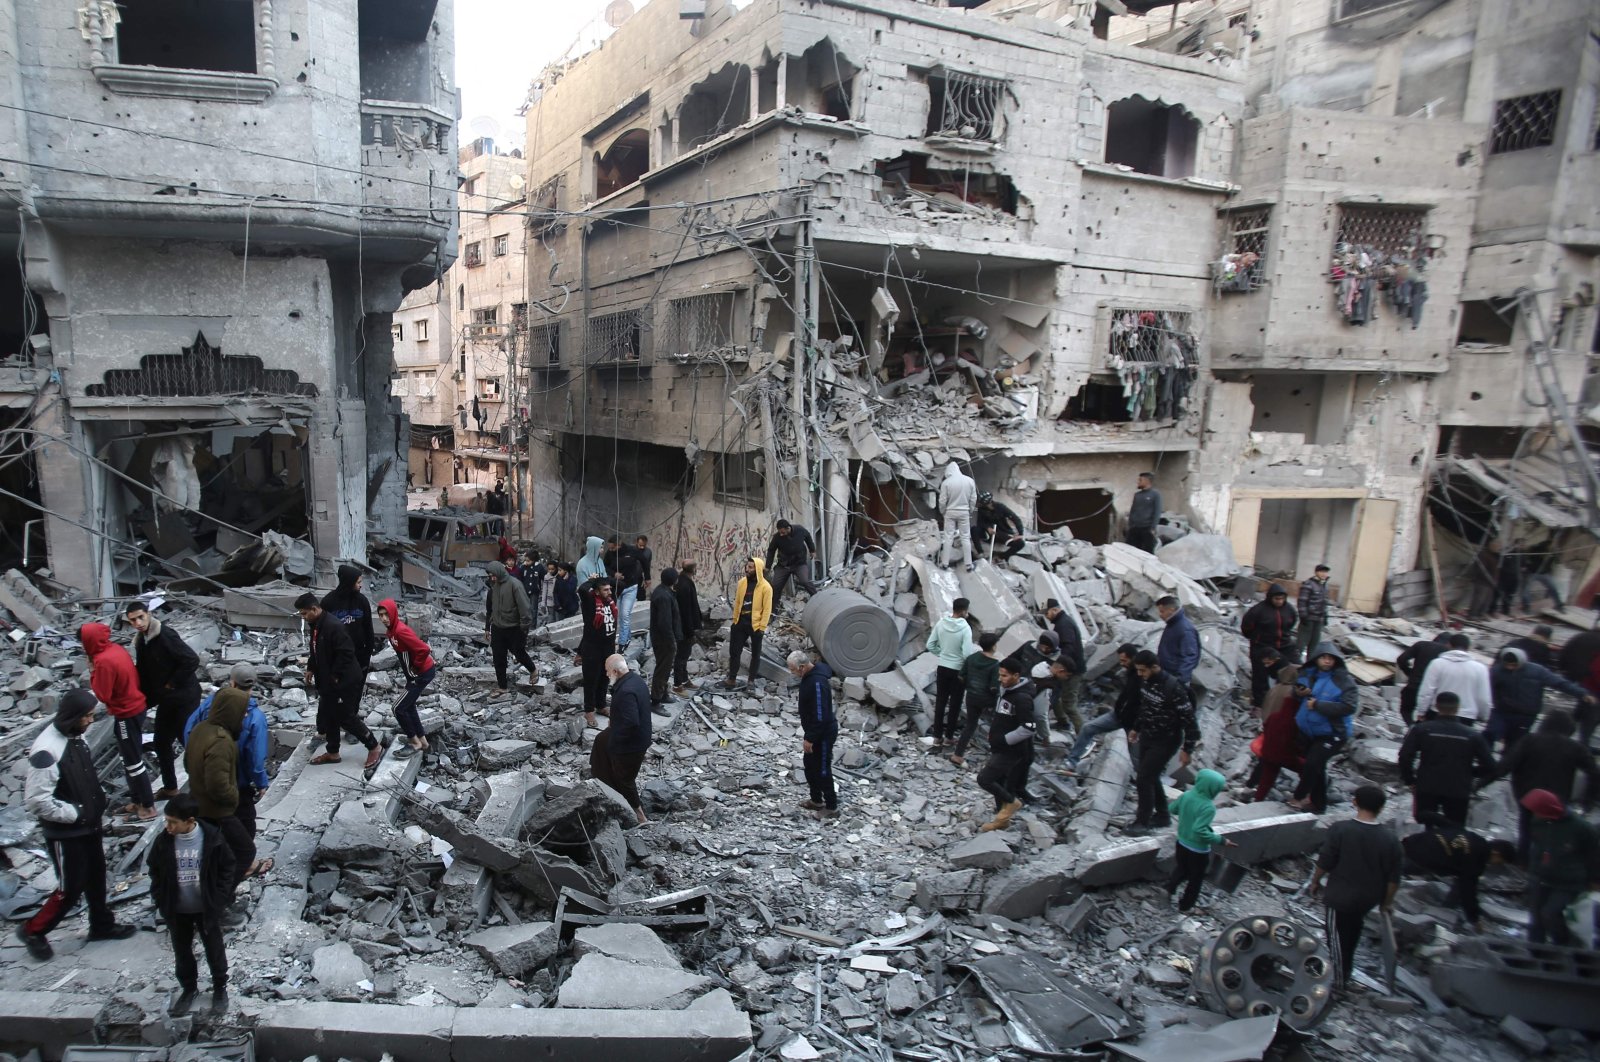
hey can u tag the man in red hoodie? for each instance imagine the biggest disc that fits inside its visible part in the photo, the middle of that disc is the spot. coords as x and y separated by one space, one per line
115 682
416 660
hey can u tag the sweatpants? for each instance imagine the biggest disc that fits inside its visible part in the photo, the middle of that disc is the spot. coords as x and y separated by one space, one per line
976 710
246 811
510 641
666 651
183 928
130 743
405 713
170 717
1314 776
741 634
1344 933
959 525
1154 752
949 691
1005 774
819 768
342 712
618 770
595 683
80 864
1190 872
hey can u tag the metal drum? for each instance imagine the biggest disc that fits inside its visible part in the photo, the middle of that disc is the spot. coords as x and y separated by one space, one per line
1267 965
853 635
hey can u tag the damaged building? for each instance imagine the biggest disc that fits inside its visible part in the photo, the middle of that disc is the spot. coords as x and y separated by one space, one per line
217 209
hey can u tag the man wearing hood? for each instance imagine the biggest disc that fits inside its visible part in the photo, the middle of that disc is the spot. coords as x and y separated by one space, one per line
115 681
1166 725
166 667
1268 625
62 790
1005 774
666 633
1413 664
818 732
331 669
351 608
1196 810
1441 759
752 609
1549 758
1563 861
690 618
1457 672
1328 700
596 645
951 641
212 760
590 565
416 663
1517 685
958 498
507 613
254 744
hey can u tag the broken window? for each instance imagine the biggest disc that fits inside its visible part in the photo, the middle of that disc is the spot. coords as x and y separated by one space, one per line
1088 513
1524 122
626 465
394 37
701 325
1156 357
398 332
543 205
1152 137
965 106
1480 323
714 106
740 479
486 321
914 186
829 81
624 162
188 34
614 337
1242 266
474 254
544 345
502 246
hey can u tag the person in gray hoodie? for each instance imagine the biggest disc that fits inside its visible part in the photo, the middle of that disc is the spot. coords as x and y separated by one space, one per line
1517 685
591 565
507 613
958 499
951 640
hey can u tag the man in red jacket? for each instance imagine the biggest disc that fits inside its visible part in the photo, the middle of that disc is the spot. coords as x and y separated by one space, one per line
416 661
115 682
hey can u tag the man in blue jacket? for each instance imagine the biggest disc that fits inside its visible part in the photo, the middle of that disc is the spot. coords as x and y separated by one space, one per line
1179 649
1517 685
254 744
1328 700
819 730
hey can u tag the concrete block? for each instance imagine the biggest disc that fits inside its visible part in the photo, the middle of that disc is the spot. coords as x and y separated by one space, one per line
993 603
49 1021
501 753
1524 1035
337 967
627 942
954 891
699 1034
986 851
889 690
1027 890
352 1030
514 950
603 983
1201 556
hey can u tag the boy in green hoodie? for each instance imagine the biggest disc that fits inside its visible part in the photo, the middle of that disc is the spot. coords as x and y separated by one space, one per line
1194 811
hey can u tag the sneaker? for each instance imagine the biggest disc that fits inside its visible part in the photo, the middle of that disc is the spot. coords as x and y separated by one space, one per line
729 684
827 813
812 805
327 757
374 754
219 1000
181 1005
1138 829
38 946
112 932
404 752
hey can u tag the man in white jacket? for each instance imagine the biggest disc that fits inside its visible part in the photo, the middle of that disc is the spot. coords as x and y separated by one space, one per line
1456 671
958 499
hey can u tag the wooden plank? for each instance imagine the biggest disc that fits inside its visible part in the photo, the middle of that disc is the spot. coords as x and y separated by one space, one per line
1433 566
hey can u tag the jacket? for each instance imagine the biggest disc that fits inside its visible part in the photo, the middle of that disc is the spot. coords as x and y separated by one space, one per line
212 755
415 656
980 675
689 615
624 566
1536 651
506 602
1548 760
1179 650
1269 625
1413 663
351 607
666 623
532 579
793 550
1334 699
1444 757
62 789
1281 690
816 703
760 604
1144 512
217 866
646 558
1070 640
1000 519
333 665
254 742
1563 853
630 716
564 595
1521 691
166 666
1457 672
1281 740
958 493
1195 811
112 676
951 639
1012 728
599 638
1165 710
1313 600
590 566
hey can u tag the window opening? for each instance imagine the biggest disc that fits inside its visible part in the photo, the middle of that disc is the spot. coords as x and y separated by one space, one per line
613 337
1352 8
420 328
912 186
188 34
740 480
714 106
624 162
398 331
1525 122
1156 357
966 106
1152 137
544 345
1481 324
474 255
1242 266
1380 251
502 246
701 325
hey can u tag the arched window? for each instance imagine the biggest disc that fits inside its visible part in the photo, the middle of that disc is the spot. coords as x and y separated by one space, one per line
623 163
1152 137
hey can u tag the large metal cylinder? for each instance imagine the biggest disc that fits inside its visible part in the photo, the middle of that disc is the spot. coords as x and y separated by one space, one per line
852 634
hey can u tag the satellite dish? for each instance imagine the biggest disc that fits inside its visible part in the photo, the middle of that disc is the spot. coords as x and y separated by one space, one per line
618 12
484 125
516 182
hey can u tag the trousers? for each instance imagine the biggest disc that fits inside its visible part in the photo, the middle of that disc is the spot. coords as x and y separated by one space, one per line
618 770
130 744
818 765
625 602
1142 538
405 713
666 651
595 683
1154 752
742 633
1452 808
183 929
513 642
170 717
680 662
1344 933
976 710
80 864
779 578
1308 638
1104 723
1190 873
1005 774
948 693
959 525
1547 920
1314 777
341 711
240 841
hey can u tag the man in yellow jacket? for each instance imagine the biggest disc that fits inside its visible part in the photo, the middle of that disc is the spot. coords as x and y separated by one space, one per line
752 608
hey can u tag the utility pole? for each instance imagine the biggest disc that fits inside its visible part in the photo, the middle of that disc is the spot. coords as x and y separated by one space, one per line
806 289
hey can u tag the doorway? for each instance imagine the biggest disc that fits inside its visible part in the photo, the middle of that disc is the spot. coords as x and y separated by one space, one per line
1087 512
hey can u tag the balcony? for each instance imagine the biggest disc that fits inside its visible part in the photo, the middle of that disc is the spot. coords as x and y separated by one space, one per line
408 156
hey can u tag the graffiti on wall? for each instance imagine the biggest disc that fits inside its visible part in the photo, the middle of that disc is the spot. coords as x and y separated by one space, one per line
719 553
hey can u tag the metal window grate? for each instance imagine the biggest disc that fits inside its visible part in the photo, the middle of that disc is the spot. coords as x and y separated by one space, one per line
1153 337
700 325
1242 267
964 105
544 345
1524 122
474 255
1382 231
1247 231
614 337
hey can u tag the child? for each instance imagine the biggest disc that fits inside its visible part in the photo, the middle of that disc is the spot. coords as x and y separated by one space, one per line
1196 838
416 661
191 873
1280 733
564 594
980 678
1361 863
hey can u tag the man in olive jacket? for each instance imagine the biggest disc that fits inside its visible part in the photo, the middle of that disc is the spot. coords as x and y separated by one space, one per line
212 759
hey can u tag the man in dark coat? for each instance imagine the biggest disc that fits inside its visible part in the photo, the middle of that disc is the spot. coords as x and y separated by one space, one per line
1166 726
1268 625
819 729
1442 759
212 760
191 874
666 631
333 671
1549 758
789 556
166 667
351 608
1517 685
619 750
998 527
689 616
1413 664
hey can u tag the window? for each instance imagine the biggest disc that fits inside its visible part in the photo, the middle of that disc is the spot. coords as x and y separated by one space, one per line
1482 321
461 296
1152 137
398 331
544 345
965 106
740 480
1152 337
469 186
188 34
485 321
1524 122
613 337
623 163
1383 232
489 387
1242 266
502 246
474 254
419 328
700 324
519 316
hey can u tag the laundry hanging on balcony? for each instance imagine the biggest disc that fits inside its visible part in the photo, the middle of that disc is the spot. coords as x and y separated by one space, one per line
1363 275
1157 359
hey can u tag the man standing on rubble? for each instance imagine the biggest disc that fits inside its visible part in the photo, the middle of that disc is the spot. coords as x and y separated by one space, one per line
666 631
1549 758
1457 672
1005 773
647 559
212 759
597 645
819 730
1268 625
1122 715
1413 664
622 563
999 529
332 670
1179 649
254 743
507 614
1313 612
1517 685
166 667
951 641
1360 862
1441 760
1166 725
1144 514
63 791
1329 700
619 750
192 871
115 681
1070 640
958 498
752 609
690 619
980 682
351 608
789 556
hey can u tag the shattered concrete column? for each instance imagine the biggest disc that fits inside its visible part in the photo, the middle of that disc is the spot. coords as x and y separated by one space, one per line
64 495
465 890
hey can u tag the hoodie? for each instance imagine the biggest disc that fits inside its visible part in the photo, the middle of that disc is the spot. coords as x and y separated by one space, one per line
1179 650
1195 810
666 619
980 675
166 666
506 603
212 755
590 566
62 788
1334 698
1457 672
760 601
415 656
1069 640
1012 728
253 741
816 703
351 608
952 640
958 493
1268 625
112 676
1563 849
1520 690
333 665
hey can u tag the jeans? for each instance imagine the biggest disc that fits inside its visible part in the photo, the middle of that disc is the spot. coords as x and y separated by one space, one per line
959 525
1104 723
1510 726
510 641
1543 580
1065 703
618 770
1154 752
594 683
341 711
818 765
948 693
170 717
1190 873
742 632
130 743
666 651
625 602
80 864
182 928
1314 778
405 713
1308 638
779 578
1005 774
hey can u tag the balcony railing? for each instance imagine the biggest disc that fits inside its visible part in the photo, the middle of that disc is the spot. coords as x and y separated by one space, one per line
410 126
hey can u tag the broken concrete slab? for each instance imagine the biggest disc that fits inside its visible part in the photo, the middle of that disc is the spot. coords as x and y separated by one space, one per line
23 600
1242 1040
1143 579
955 891
627 942
501 753
604 983
1049 1011
514 950
986 851
338 968
540 873
993 603
48 1021
1201 556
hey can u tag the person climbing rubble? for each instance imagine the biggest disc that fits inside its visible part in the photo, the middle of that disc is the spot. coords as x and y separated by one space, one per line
819 731
1328 700
1011 731
350 607
1441 759
619 750
254 744
1413 664
1166 725
115 681
958 500
1268 625
419 669
597 644
1549 758
789 555
1451 850
1360 863
1070 640
1191 849
1517 685
1282 746
506 615
752 610
166 667
1122 715
331 669
951 641
1179 648
998 531
980 683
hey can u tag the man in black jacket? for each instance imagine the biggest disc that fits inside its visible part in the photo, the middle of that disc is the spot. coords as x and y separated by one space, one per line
819 729
1166 725
666 631
1070 640
166 667
1122 715
690 619
1413 664
1451 850
191 875
792 548
332 670
1005 773
351 608
627 576
1268 625
1549 758
997 528
63 792
619 750
1517 685
1441 759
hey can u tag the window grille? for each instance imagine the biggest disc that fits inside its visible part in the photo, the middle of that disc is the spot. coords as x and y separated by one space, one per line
1153 337
502 246
201 369
1242 266
700 324
740 479
474 254
1524 122
544 345
965 106
613 337
1382 231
